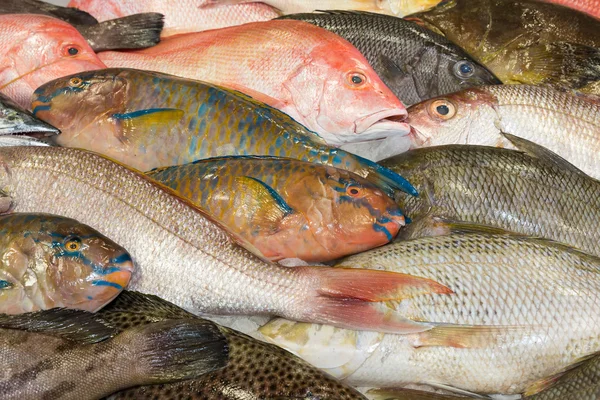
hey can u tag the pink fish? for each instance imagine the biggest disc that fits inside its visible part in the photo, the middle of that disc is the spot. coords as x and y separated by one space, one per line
37 49
591 7
313 75
181 16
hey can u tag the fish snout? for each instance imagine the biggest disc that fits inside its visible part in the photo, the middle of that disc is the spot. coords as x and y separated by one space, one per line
382 124
390 223
37 106
117 274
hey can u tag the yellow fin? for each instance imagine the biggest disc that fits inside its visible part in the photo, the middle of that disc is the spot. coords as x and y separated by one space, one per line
144 122
467 336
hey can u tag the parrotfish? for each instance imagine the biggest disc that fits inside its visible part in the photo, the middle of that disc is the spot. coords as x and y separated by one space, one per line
315 76
49 261
149 120
289 208
184 256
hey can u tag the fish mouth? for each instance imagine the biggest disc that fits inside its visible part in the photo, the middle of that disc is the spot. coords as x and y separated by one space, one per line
37 106
382 124
417 139
116 276
29 125
391 222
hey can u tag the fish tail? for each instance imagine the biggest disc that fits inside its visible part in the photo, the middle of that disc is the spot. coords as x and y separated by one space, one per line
348 298
136 31
176 349
386 179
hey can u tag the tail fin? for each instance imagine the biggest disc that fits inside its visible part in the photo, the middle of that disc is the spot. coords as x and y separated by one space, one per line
177 349
386 179
136 31
345 298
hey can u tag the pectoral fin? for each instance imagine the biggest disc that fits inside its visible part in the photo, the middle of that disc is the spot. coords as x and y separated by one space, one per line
468 336
541 152
260 200
146 122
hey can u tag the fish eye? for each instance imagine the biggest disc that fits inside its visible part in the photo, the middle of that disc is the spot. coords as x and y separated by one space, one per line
72 243
353 191
442 109
75 82
464 69
71 50
356 79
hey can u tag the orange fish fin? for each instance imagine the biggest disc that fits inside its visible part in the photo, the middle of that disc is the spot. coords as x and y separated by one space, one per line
346 297
146 122
262 202
412 394
467 336
545 383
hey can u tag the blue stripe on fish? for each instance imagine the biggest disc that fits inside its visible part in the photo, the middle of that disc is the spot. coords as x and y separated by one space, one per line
121 259
107 283
40 108
381 228
5 284
141 113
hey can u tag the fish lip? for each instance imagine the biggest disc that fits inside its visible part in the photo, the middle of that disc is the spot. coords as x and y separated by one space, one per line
368 125
416 138
37 106
30 127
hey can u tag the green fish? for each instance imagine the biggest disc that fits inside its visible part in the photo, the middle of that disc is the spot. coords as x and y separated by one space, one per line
256 370
289 208
148 120
73 355
48 261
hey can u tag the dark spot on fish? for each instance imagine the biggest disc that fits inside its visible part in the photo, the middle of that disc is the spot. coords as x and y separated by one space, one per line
59 391
89 368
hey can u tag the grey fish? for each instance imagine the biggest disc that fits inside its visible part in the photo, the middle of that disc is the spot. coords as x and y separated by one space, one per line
536 194
255 370
14 119
69 354
416 63
136 31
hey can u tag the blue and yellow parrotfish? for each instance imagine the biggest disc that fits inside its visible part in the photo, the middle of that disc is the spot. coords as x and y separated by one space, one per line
289 208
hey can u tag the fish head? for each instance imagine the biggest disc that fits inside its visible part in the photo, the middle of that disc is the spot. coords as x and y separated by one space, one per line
336 93
86 270
16 120
345 212
37 49
74 102
456 71
467 117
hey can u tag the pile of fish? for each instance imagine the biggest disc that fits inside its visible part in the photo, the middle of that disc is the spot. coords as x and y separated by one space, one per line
357 199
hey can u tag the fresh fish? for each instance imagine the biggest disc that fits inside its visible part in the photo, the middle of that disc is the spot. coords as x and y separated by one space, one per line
134 32
182 16
523 41
21 140
68 354
396 8
579 382
185 257
408 394
24 38
149 120
49 261
566 123
313 75
255 370
591 7
522 309
537 195
289 208
416 63
15 120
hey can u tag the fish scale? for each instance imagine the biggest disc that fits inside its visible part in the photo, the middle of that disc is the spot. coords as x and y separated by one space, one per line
503 188
521 309
168 238
224 122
